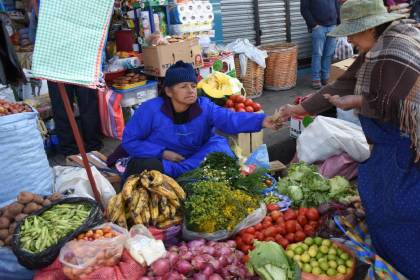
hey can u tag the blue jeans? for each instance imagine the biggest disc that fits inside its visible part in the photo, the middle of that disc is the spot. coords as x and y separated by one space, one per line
323 48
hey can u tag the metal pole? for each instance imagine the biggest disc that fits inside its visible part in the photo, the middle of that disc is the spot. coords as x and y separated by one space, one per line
79 141
257 24
288 22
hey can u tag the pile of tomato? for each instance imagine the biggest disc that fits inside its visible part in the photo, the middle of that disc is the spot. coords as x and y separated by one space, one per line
283 228
239 103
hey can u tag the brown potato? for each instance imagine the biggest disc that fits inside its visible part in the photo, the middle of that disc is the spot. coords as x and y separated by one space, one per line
12 227
2 243
15 208
25 197
31 207
8 240
55 196
38 199
4 223
20 217
4 233
46 202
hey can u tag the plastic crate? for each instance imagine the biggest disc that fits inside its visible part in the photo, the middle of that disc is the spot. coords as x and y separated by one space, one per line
138 95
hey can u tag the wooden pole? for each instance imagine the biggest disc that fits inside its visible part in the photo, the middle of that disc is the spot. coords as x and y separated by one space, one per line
79 141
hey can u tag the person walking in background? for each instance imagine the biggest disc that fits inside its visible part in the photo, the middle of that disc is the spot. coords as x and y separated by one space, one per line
321 17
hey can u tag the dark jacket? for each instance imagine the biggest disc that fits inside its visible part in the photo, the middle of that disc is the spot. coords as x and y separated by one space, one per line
320 12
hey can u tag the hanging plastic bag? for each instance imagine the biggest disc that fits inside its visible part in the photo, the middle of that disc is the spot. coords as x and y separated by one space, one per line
251 220
246 51
81 257
343 49
259 157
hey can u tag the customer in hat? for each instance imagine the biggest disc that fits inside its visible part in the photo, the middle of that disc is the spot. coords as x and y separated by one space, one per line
174 133
383 84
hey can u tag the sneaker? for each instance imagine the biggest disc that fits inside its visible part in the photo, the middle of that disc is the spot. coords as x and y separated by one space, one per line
324 82
316 84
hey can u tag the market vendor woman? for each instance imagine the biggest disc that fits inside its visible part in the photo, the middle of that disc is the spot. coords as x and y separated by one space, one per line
383 84
174 133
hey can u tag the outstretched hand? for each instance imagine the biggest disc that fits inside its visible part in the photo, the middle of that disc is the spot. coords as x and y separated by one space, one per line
272 123
172 156
345 103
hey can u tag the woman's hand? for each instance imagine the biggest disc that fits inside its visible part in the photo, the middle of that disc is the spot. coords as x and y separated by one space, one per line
287 111
172 156
345 102
270 122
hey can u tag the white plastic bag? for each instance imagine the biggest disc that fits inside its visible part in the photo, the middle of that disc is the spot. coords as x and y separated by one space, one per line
349 115
75 180
247 50
343 50
251 220
326 137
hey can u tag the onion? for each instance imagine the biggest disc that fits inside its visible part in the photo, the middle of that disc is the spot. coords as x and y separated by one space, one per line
212 243
161 267
198 262
225 251
239 254
184 267
209 250
173 276
196 243
145 278
172 257
174 249
216 264
207 258
215 277
231 244
200 276
187 256
230 259
208 270
223 261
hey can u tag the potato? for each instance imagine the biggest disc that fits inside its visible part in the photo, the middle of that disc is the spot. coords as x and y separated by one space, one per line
46 202
4 233
2 243
55 196
12 227
8 240
25 197
4 223
31 207
7 214
20 217
38 199
15 208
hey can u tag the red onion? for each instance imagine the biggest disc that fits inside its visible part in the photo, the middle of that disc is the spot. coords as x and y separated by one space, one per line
212 243
223 261
174 249
208 270
184 267
207 258
230 259
146 278
231 244
200 276
161 267
209 250
215 277
198 262
172 257
216 264
173 276
187 256
196 243
225 251
239 254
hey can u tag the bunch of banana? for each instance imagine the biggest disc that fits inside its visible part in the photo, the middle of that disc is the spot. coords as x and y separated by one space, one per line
151 198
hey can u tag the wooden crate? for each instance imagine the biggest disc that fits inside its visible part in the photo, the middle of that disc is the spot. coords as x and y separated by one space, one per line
248 142
337 69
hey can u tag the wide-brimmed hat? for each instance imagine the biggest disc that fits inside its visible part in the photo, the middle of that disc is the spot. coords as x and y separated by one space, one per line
360 15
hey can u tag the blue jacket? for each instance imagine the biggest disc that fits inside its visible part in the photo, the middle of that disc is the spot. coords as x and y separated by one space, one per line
320 12
151 131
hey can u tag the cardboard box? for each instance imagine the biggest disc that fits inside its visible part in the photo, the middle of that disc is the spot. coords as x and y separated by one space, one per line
337 69
224 63
248 142
157 59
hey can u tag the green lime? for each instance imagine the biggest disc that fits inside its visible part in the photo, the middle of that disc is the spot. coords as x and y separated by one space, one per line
324 249
290 253
323 259
340 261
298 250
324 266
344 256
304 246
342 269
309 241
349 264
331 257
292 246
332 251
332 264
307 268
314 263
305 258
319 255
312 252
318 241
296 258
331 272
326 242
316 271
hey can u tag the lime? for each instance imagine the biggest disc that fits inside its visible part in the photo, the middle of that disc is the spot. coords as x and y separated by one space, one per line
298 250
340 261
309 241
304 246
331 272
332 251
342 269
292 246
307 268
312 252
296 258
323 259
326 242
344 256
300 265
349 264
324 266
305 258
319 255
314 263
324 249
332 264
331 257
316 271
290 253
318 241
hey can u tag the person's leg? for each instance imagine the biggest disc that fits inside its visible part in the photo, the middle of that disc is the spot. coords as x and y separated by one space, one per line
327 55
318 40
62 126
138 165
87 100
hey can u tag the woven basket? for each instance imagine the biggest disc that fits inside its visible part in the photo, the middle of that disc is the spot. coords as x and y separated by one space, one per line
281 71
253 81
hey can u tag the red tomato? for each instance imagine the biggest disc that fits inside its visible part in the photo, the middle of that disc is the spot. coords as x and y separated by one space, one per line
257 107
313 224
302 211
299 227
241 110
242 232
250 230
272 207
266 224
270 231
290 214
299 236
240 99
309 230
229 103
270 239
279 220
249 109
239 241
259 236
248 238
249 102
291 226
278 238
275 214
268 219
233 97
239 106
259 227
245 259
290 237
302 220
245 248
281 230
312 214
284 243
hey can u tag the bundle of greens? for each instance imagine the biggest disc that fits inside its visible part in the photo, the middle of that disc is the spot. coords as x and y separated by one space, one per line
269 261
307 188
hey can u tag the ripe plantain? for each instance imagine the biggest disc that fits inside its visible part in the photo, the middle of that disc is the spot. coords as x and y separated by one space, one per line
145 214
157 178
154 207
169 223
164 190
117 209
135 200
143 201
122 221
145 182
166 212
129 187
161 218
172 210
175 187
174 202
138 220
